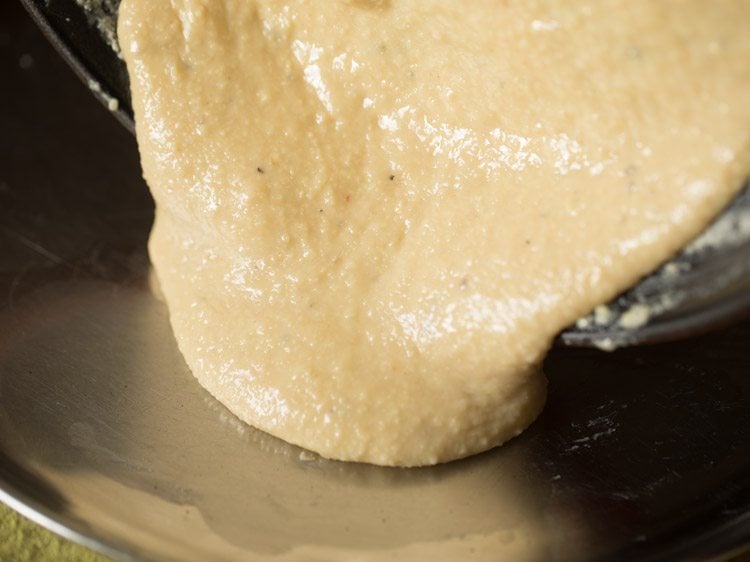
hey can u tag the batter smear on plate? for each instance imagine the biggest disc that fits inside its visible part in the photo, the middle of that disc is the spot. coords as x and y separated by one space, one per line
374 216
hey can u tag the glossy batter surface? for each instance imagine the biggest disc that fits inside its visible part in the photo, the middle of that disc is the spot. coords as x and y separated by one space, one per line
374 216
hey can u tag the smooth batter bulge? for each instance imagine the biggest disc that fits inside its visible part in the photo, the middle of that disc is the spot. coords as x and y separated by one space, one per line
374 216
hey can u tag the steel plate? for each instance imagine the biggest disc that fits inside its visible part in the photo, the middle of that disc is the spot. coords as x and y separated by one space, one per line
641 454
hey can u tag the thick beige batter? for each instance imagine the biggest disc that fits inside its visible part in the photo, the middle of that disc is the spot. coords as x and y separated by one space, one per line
374 216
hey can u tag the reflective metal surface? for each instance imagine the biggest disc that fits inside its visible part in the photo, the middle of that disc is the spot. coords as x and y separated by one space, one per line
642 454
84 33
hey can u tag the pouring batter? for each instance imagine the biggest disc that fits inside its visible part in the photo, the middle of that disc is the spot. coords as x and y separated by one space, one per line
373 216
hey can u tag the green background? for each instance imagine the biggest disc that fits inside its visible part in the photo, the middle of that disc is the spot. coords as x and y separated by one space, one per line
24 541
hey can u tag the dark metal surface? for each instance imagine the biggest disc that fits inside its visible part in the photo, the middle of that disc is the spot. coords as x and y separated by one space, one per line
642 454
85 38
